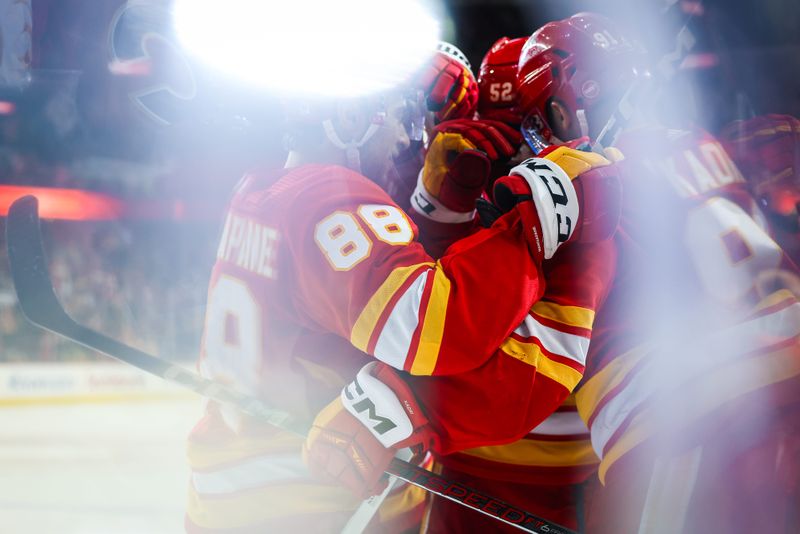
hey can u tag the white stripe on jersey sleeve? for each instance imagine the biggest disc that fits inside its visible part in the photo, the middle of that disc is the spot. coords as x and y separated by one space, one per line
394 340
561 424
567 345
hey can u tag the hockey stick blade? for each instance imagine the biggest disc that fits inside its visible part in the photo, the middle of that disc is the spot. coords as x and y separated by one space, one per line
41 306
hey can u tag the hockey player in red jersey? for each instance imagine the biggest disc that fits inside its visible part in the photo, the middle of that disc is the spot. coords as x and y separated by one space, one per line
544 471
319 272
691 387
691 394
574 70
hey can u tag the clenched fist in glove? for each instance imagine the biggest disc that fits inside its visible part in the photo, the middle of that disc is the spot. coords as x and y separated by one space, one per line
353 440
457 167
563 194
450 88
767 151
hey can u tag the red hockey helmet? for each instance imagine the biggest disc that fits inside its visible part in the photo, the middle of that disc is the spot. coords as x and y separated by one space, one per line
497 81
584 62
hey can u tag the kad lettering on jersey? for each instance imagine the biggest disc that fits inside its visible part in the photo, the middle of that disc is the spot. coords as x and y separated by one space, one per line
702 169
249 245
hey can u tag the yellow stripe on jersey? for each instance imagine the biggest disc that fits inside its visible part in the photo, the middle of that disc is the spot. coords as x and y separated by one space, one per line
531 354
593 390
732 381
368 318
531 452
568 315
405 501
250 508
775 298
430 338
204 456
639 429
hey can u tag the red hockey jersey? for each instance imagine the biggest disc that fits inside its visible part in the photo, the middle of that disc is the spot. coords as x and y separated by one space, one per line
557 450
535 467
318 256
695 346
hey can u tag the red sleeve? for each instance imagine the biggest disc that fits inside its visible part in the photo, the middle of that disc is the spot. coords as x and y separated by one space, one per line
535 368
436 236
359 272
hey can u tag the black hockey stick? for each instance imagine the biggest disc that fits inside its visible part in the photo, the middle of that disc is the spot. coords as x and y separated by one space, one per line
41 306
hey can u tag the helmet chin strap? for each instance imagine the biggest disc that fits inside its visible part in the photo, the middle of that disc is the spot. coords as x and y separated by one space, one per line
350 148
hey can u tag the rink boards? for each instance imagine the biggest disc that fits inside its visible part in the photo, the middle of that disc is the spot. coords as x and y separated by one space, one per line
92 448
59 383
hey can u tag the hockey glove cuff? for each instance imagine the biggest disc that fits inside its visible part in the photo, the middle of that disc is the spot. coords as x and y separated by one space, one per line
555 206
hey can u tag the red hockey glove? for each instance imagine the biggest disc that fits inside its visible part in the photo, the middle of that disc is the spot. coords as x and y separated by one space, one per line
767 151
497 140
353 440
451 90
458 165
555 206
453 176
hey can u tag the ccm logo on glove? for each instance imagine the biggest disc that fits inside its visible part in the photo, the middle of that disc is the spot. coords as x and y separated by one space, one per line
554 178
361 397
553 194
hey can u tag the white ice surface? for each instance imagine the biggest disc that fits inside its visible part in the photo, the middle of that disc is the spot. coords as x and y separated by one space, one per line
95 468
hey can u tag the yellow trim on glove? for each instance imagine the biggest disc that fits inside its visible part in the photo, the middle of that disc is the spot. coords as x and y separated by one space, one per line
437 163
576 162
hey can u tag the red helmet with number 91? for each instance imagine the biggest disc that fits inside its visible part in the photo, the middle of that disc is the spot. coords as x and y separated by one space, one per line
585 64
497 81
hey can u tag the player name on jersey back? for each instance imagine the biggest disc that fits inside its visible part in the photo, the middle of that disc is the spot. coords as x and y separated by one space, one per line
249 245
700 169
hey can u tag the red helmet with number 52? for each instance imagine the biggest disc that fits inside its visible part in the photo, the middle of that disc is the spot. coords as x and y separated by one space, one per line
582 61
497 81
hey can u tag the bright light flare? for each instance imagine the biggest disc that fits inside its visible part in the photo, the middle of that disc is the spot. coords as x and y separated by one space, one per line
310 47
